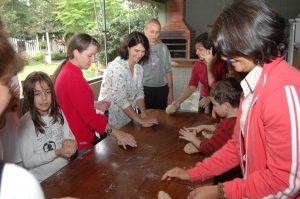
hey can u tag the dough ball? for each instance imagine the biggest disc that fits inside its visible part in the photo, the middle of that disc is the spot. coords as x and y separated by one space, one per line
189 148
170 109
147 125
163 195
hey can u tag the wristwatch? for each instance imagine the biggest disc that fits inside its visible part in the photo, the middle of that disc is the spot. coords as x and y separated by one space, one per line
108 130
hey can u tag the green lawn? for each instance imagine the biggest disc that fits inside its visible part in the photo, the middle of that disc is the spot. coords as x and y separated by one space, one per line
47 68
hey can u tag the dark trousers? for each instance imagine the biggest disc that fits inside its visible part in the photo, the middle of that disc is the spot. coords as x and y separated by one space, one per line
156 97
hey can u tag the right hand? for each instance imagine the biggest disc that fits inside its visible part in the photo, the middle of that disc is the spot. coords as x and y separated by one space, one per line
148 120
124 138
176 173
196 128
188 135
68 148
102 105
176 104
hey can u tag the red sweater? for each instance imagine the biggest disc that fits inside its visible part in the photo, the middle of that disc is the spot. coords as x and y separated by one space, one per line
76 99
199 74
222 134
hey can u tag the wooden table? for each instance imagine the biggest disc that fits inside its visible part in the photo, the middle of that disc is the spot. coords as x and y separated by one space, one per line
108 171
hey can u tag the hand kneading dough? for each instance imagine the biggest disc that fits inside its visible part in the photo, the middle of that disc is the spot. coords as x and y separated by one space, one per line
170 109
163 195
189 148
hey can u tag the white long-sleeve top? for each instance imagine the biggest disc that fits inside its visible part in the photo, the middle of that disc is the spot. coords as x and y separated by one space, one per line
17 183
122 89
37 150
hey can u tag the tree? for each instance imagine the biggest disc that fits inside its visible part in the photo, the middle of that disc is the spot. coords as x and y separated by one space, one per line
78 16
26 18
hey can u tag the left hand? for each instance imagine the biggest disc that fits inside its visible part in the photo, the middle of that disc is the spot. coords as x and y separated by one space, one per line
148 120
102 105
176 172
204 102
204 192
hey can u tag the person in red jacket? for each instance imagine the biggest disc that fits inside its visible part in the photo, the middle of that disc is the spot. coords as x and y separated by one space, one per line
76 97
266 137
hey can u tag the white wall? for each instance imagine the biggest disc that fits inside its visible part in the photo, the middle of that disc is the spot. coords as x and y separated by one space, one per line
200 13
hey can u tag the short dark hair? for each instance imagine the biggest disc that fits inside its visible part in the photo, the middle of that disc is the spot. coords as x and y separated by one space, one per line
131 40
228 90
249 29
204 40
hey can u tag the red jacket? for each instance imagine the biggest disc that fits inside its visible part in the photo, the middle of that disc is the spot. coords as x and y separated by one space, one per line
271 140
76 99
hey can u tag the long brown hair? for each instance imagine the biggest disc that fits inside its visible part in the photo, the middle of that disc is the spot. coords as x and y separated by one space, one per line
10 62
28 91
80 42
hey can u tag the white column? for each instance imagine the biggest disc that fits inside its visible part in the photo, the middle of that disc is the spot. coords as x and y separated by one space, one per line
48 57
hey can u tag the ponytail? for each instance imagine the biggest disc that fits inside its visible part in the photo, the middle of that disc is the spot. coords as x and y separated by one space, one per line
58 69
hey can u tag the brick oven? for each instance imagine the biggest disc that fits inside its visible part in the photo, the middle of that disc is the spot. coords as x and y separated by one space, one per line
176 33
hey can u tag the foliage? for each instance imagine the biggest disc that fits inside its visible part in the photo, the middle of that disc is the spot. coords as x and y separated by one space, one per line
42 44
78 16
39 57
26 18
58 56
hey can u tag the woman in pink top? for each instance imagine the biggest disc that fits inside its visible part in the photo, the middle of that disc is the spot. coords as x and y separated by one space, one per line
266 137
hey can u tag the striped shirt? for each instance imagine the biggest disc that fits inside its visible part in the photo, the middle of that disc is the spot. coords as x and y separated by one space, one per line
223 133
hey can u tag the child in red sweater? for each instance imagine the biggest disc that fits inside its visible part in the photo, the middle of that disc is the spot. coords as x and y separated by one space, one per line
225 97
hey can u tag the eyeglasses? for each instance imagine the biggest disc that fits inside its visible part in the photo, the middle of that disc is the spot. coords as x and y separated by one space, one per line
230 60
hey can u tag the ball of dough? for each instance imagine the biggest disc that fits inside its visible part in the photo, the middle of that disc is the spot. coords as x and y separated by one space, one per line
189 148
163 195
170 109
147 125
